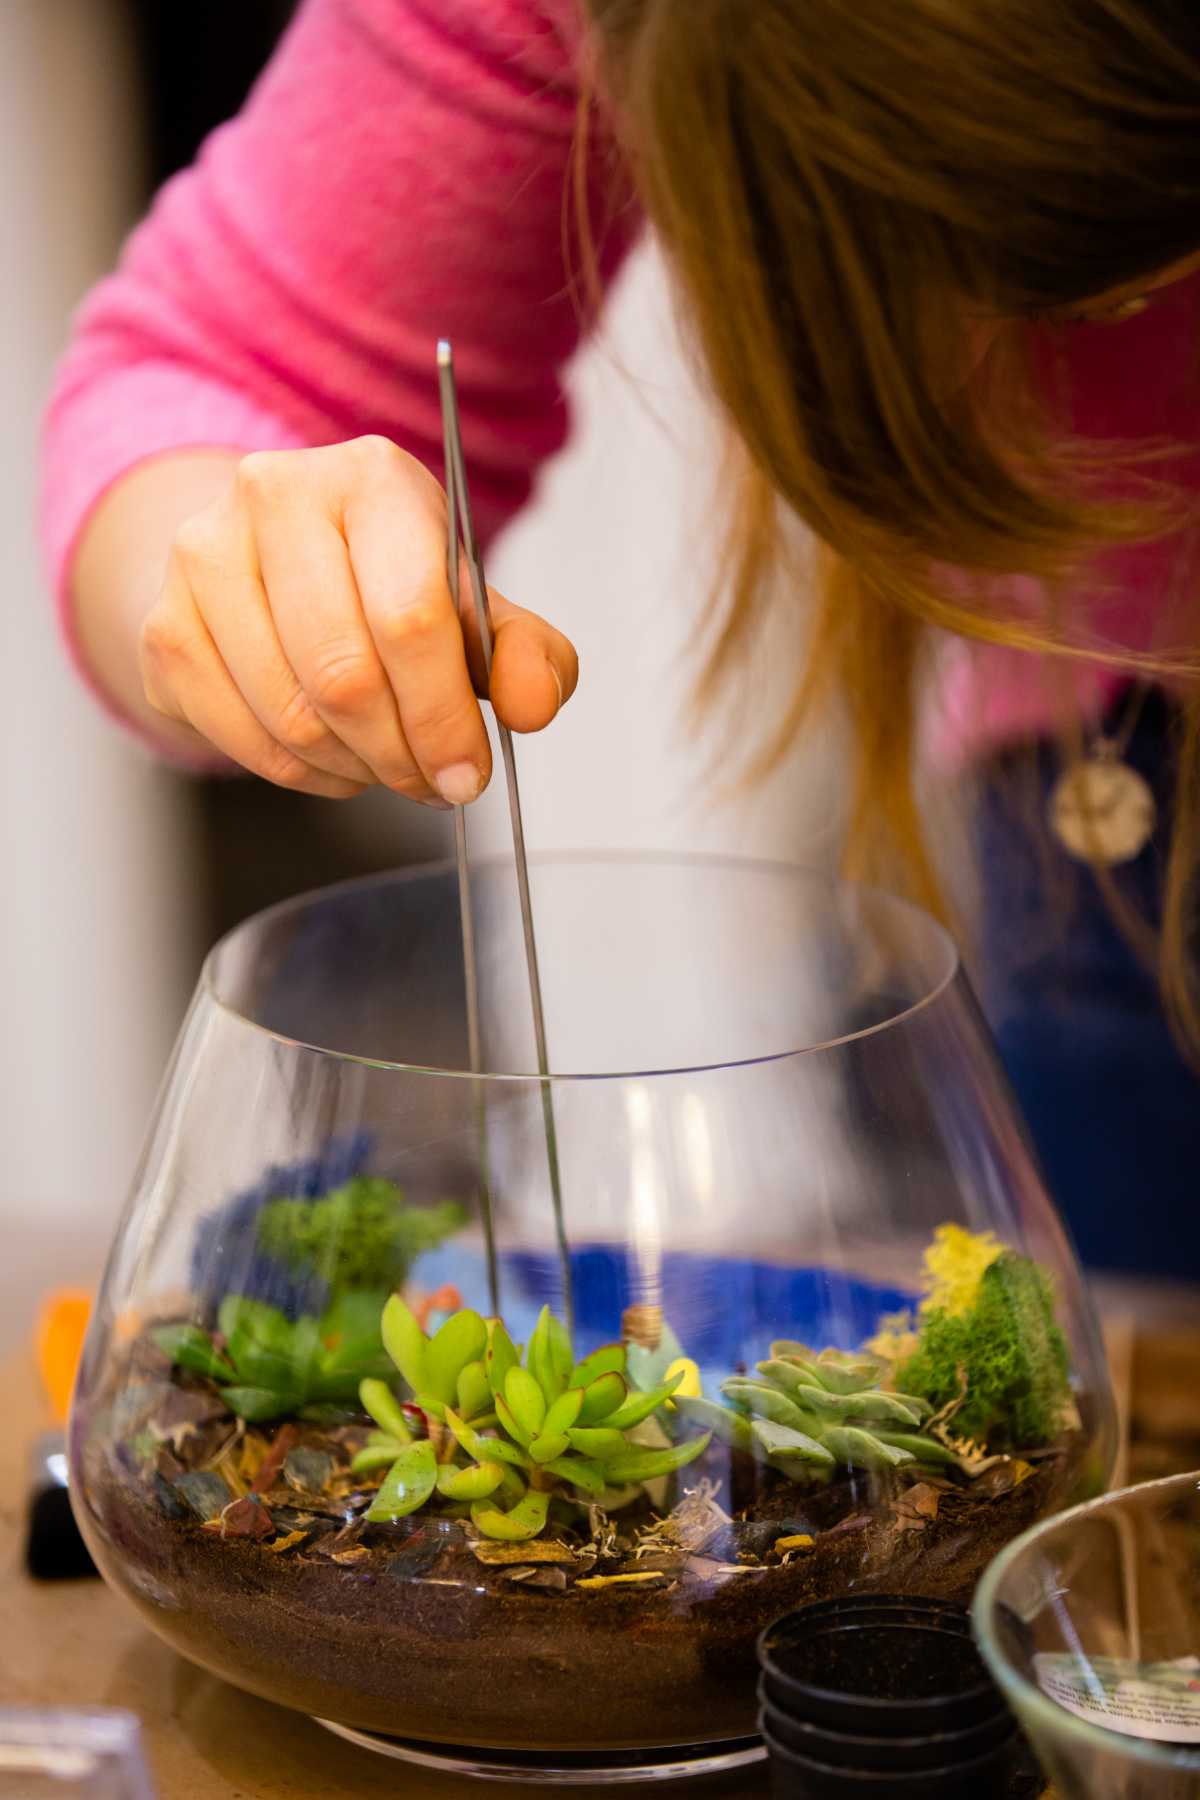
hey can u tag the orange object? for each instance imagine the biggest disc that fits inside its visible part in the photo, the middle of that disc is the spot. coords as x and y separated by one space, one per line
61 1324
443 1299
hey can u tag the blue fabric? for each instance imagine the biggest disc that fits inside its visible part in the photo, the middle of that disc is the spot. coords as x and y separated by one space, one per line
1113 1108
725 1311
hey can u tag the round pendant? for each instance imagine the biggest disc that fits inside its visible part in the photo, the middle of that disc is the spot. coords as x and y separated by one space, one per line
1102 811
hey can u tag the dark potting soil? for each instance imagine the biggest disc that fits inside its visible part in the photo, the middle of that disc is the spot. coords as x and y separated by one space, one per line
403 1629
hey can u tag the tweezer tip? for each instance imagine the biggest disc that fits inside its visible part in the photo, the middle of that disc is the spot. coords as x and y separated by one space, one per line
445 355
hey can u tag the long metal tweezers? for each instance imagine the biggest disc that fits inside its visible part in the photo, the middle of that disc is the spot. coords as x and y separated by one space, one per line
461 525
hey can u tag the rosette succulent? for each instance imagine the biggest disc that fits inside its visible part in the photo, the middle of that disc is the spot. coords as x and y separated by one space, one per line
267 1365
807 1414
505 1436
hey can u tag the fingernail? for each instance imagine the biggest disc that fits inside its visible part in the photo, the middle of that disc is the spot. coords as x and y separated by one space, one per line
459 784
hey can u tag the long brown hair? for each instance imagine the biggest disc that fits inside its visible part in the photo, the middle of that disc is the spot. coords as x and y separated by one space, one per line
846 191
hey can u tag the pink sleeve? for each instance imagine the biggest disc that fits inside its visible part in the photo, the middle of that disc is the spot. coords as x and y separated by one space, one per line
398 174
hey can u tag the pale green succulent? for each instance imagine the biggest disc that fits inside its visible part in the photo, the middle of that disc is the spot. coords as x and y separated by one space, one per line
511 1436
807 1414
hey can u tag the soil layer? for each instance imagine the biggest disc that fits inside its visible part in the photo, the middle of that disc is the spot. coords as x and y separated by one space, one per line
403 1629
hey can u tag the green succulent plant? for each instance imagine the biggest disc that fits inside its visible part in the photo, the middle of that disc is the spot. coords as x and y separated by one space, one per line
272 1365
512 1435
362 1235
807 1414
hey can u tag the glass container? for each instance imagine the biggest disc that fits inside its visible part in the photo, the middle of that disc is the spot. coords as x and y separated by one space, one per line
1091 1625
398 1412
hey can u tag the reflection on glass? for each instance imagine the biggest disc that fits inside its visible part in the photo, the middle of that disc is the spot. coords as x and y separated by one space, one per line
1091 1624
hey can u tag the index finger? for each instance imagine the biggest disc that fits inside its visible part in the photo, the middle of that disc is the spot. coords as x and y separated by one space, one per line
396 532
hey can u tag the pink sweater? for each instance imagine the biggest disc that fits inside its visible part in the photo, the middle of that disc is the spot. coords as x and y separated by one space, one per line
397 175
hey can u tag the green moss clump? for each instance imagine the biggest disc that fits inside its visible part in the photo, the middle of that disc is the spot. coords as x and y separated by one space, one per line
362 1235
1011 1351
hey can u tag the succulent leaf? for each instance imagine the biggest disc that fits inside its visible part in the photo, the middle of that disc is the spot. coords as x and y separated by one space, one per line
648 1465
475 1483
922 1449
609 1359
579 1472
767 1402
645 1367
405 1343
545 1365
562 1355
500 1357
267 1350
349 1332
459 1341
782 1446
473 1389
511 1424
484 1449
193 1349
640 1406
548 1445
378 1400
874 1407
602 1397
564 1412
523 1521
859 1449
916 1404
525 1401
600 1442
407 1485
512 1488
375 1456
731 1427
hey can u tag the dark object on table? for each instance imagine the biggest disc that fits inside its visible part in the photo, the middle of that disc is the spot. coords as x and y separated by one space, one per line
54 1550
883 1691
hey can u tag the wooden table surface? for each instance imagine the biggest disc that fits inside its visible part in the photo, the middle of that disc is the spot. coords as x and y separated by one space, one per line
75 1643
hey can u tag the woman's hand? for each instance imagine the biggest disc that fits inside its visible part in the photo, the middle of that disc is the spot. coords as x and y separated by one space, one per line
305 629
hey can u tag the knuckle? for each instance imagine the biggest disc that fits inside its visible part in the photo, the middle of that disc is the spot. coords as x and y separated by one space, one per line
262 474
345 683
196 546
281 767
374 453
163 639
403 629
298 727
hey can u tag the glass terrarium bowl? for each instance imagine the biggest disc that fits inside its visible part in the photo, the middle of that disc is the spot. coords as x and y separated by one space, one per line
818 1327
1091 1625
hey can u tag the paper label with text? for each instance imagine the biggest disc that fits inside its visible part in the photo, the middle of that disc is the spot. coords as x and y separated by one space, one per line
1158 1700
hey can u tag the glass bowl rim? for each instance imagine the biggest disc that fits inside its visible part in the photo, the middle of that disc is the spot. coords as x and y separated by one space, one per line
207 985
1019 1691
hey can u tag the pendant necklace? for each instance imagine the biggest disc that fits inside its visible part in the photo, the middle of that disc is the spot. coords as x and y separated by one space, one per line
1101 811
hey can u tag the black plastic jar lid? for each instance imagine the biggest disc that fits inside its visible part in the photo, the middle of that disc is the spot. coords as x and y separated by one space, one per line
855 1750
889 1668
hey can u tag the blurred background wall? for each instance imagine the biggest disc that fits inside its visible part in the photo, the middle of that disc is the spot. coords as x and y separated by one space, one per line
98 914
120 873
